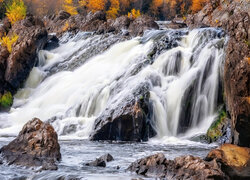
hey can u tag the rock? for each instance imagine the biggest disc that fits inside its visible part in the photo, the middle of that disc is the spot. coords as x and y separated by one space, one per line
101 161
129 120
184 167
234 18
36 145
62 15
220 129
141 24
52 42
17 64
234 160
121 22
146 166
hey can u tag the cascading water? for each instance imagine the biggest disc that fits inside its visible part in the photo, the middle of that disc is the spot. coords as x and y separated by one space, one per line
88 74
183 74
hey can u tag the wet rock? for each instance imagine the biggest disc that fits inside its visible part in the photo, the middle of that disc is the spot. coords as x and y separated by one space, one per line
52 42
219 131
141 24
101 161
129 120
153 166
36 145
234 160
234 18
184 167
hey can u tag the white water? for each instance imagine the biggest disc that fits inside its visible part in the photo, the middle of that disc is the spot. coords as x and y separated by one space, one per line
72 100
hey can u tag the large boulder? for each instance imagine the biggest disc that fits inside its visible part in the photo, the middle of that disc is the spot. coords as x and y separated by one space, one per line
141 24
234 160
36 145
184 167
129 120
234 17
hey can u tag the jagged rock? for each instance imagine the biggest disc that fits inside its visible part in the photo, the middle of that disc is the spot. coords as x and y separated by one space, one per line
62 15
32 36
141 24
127 121
101 161
36 145
184 167
234 17
234 160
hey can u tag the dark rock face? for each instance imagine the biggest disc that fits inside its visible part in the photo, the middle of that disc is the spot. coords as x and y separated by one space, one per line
234 17
128 121
101 161
234 160
184 167
36 145
15 66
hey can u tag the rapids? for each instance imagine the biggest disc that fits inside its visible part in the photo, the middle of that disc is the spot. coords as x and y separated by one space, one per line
75 82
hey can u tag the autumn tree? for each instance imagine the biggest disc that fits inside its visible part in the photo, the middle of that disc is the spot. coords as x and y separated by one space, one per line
16 11
197 5
96 5
69 7
113 9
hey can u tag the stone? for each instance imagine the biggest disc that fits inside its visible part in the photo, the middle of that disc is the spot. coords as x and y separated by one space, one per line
129 120
101 161
234 160
36 145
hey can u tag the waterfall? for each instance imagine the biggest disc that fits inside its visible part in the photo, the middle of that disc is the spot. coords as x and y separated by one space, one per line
74 83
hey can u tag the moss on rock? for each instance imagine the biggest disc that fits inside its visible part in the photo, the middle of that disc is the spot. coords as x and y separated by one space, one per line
6 100
215 130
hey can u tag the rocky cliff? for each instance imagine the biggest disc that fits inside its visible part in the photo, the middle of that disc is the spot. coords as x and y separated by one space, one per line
234 17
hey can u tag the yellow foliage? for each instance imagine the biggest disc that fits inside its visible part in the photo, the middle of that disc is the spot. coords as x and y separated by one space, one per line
113 10
96 5
8 41
134 14
83 2
65 27
69 7
16 11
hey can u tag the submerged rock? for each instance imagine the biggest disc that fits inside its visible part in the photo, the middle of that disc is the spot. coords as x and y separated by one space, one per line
101 161
36 145
234 160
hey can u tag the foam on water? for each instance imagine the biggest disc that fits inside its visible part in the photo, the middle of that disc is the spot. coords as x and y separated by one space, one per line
72 99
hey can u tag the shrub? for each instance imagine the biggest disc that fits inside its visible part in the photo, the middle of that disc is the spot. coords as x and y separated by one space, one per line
6 100
69 7
15 11
8 41
134 14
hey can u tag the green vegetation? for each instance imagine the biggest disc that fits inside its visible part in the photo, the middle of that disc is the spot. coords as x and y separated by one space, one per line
215 130
6 100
